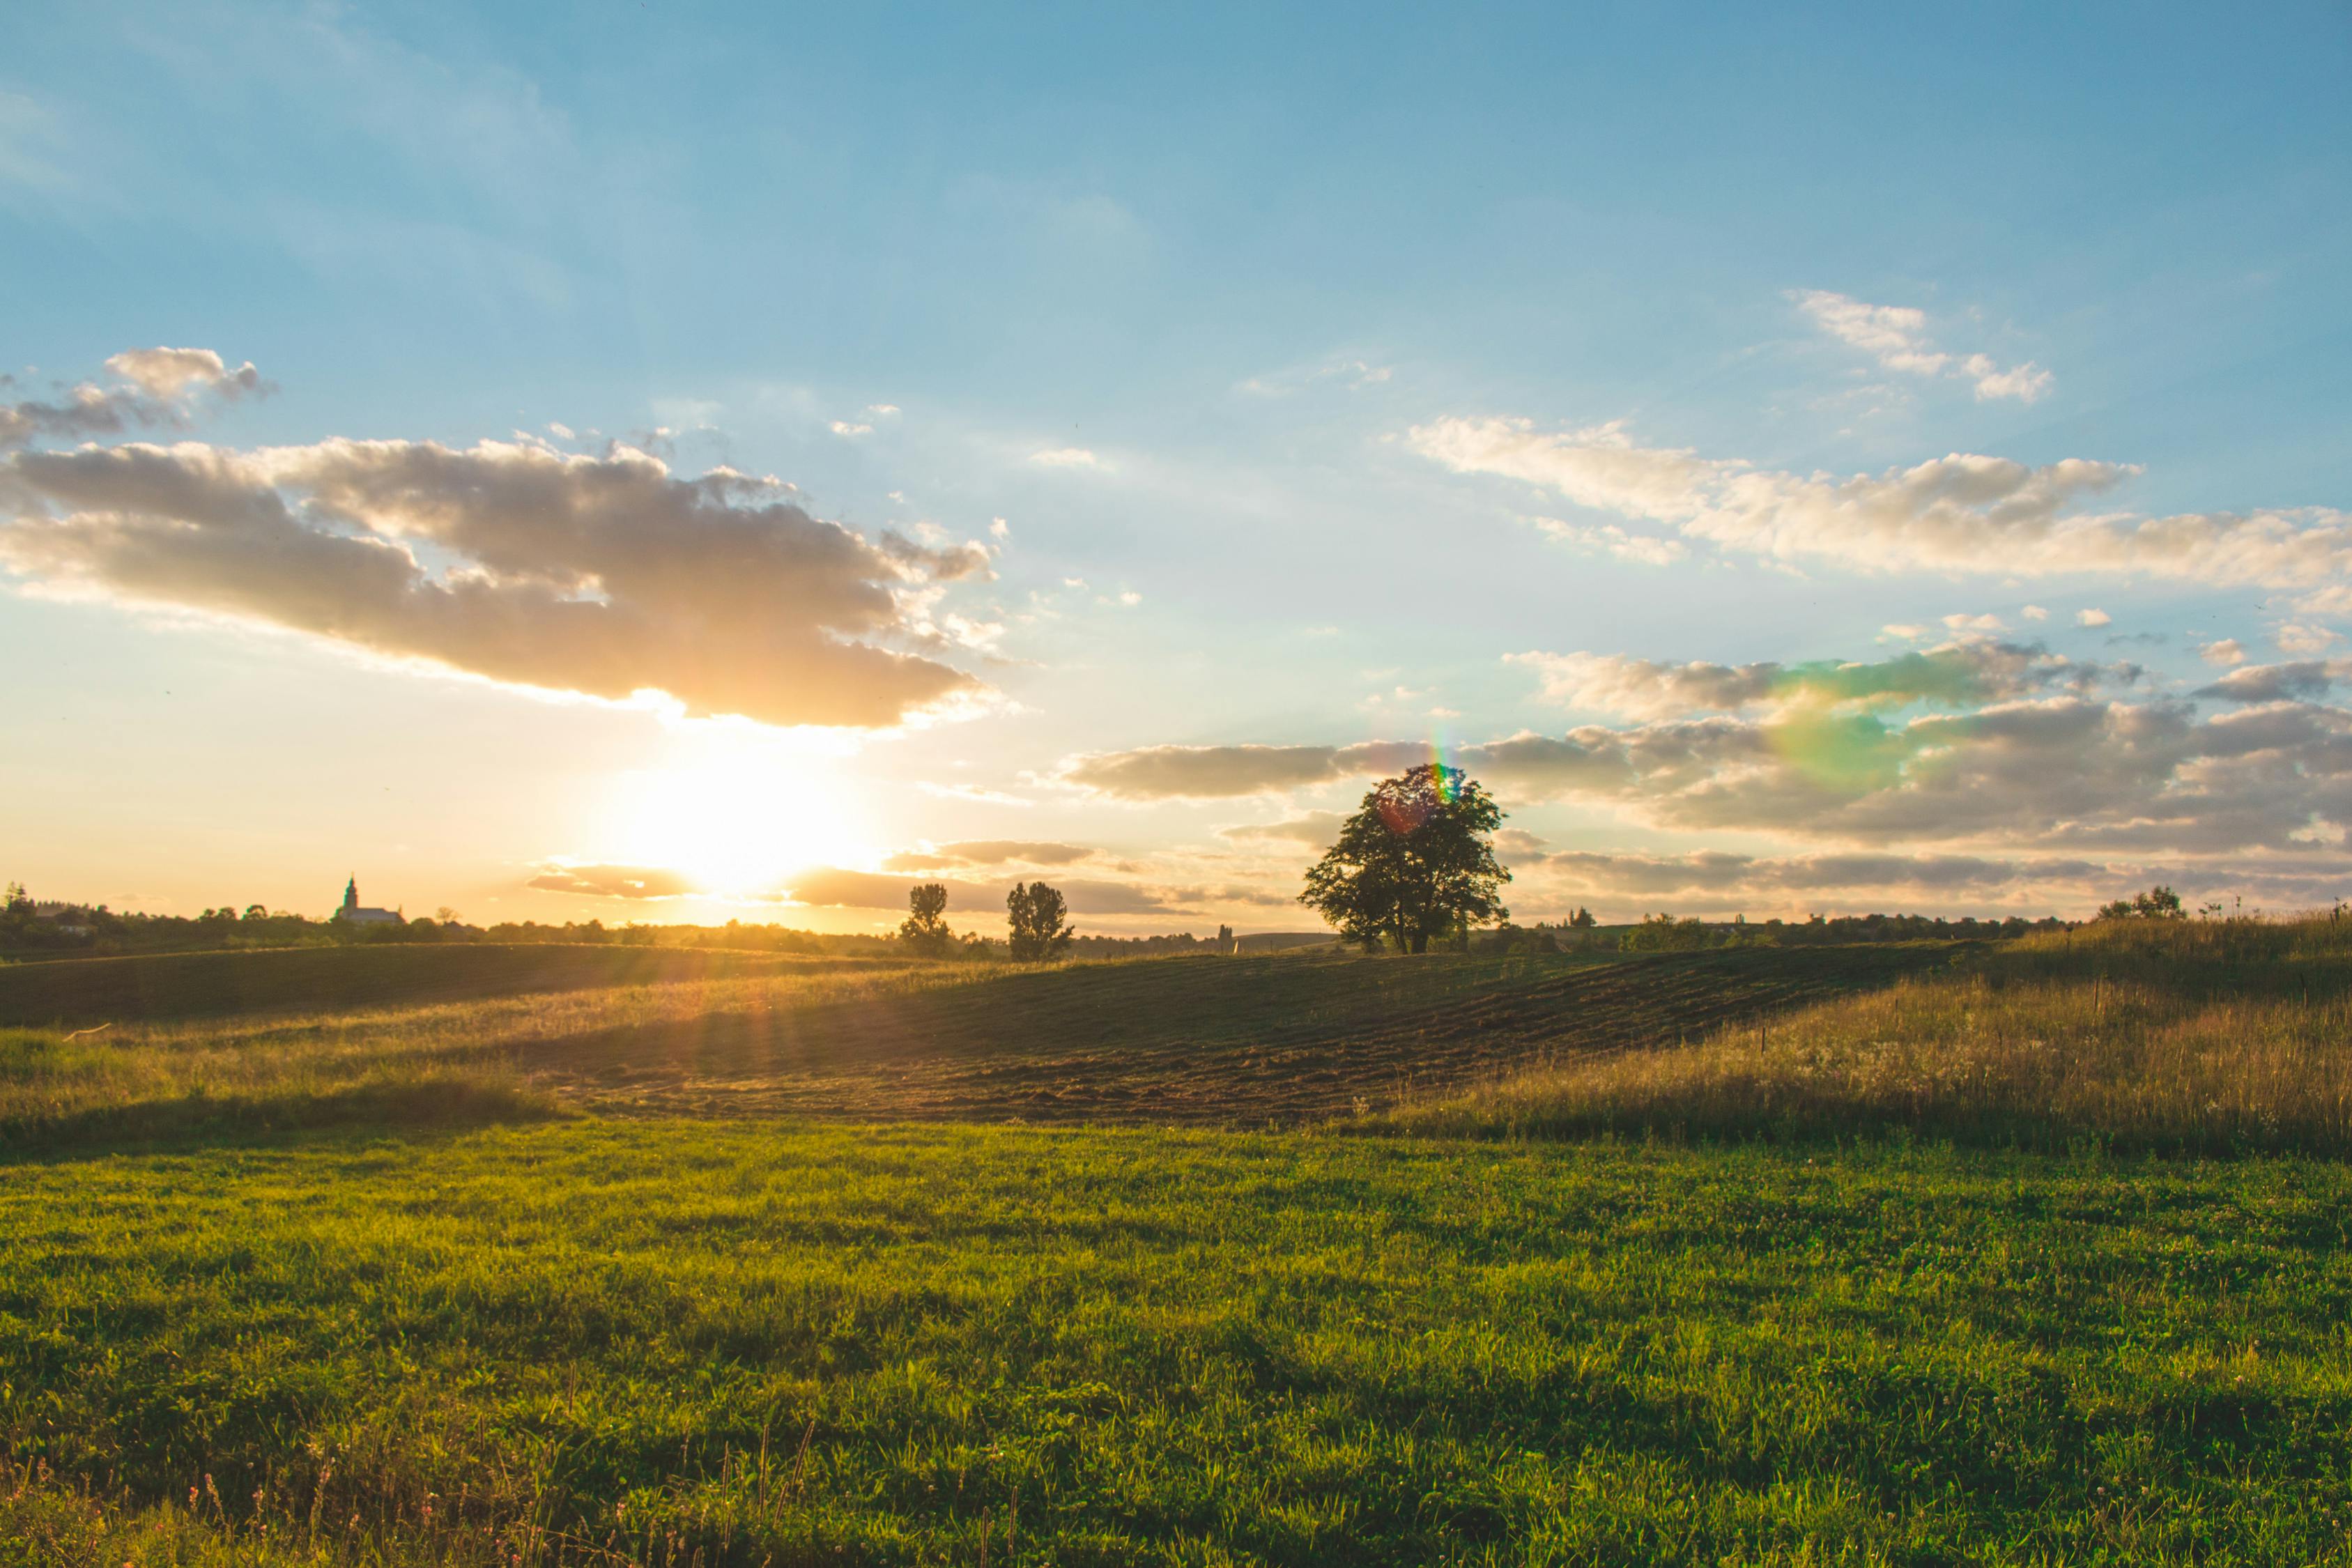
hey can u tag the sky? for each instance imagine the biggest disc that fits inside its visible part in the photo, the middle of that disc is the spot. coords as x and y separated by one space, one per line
696 462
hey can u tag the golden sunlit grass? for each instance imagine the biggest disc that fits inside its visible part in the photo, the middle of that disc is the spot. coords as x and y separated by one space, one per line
2213 1036
452 1061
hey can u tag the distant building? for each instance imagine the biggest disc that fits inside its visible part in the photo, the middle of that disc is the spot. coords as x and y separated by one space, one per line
71 918
353 914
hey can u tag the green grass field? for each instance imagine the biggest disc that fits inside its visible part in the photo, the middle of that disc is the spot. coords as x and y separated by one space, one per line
735 1344
663 1273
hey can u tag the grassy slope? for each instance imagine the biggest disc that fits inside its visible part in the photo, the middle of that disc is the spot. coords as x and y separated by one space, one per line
1220 1041
1214 1041
2207 1037
765 1344
80 992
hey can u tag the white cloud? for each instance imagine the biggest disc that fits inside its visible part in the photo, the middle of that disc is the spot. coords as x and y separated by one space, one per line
1965 623
2226 651
1067 458
1000 528
843 428
882 410
2093 618
2034 613
1955 513
1896 337
2295 639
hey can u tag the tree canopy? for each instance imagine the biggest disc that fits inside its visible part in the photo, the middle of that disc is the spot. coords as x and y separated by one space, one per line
1034 919
2158 903
924 931
1415 862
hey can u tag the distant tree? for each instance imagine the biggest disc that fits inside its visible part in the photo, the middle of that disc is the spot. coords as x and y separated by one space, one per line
1582 920
445 915
1416 861
18 901
1664 933
1034 916
255 912
924 931
2158 903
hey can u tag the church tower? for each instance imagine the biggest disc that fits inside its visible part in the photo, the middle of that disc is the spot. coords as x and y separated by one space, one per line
351 895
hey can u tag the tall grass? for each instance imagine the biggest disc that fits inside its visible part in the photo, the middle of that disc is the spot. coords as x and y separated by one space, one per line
2218 1037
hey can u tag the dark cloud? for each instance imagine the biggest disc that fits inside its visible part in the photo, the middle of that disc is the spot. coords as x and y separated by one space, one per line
2299 679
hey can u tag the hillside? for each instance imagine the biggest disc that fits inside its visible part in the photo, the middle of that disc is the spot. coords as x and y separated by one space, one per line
466 1032
79 992
2210 1036
1219 1041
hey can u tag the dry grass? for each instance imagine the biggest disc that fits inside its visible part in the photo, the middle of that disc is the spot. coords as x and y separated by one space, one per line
2210 1038
447 1061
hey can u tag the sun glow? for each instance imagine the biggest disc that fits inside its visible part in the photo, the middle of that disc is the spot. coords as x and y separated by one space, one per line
736 814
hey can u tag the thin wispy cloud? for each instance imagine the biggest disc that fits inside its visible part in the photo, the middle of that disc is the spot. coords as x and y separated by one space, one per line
1958 513
1896 337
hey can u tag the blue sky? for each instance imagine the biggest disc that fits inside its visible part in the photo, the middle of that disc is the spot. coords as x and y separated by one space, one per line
1325 350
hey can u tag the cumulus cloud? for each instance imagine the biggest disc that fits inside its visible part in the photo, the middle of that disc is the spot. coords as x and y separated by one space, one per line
155 387
1957 513
1959 673
614 881
2295 639
2295 682
603 575
2093 618
2041 774
2226 651
1896 337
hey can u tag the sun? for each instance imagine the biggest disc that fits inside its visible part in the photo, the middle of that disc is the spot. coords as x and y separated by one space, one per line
737 816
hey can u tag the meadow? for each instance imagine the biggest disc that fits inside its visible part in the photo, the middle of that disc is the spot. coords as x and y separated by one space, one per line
2173 1036
2029 1252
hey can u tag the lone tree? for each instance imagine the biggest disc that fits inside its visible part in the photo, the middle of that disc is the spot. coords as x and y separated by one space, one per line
1035 915
1414 863
923 931
2158 903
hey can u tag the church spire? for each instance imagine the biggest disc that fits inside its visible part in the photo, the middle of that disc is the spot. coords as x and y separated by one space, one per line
351 893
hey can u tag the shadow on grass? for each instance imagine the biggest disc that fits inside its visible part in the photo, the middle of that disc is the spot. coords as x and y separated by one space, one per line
422 1102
